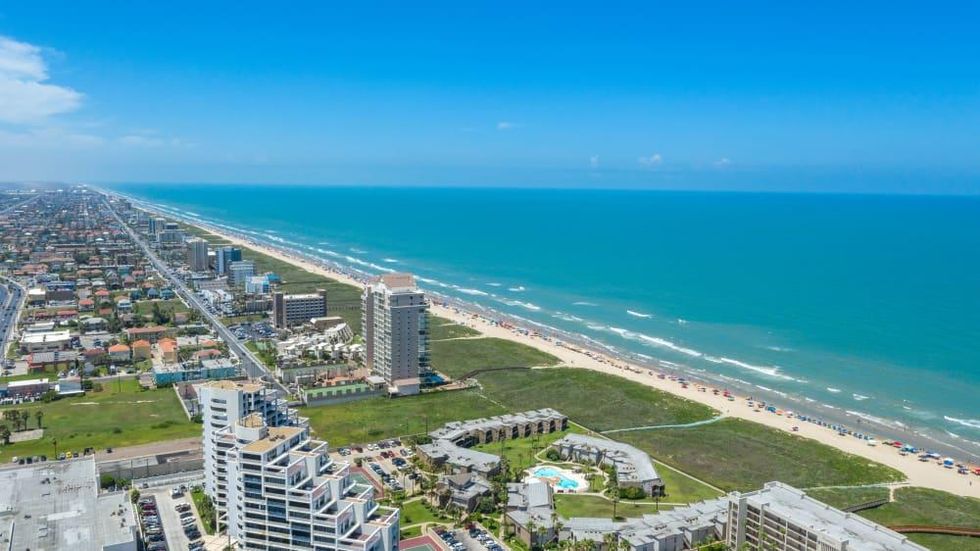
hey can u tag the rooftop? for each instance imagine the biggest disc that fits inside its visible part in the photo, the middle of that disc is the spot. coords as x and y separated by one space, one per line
57 506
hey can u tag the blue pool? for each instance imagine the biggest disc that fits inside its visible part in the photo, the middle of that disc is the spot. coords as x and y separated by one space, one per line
558 479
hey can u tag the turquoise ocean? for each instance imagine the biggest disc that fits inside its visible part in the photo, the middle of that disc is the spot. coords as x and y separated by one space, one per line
850 306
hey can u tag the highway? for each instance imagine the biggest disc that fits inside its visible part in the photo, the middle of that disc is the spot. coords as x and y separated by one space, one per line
251 365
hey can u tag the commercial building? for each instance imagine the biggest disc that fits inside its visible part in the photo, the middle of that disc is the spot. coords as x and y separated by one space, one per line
240 271
782 517
48 341
396 331
57 505
290 310
275 487
634 469
224 256
197 254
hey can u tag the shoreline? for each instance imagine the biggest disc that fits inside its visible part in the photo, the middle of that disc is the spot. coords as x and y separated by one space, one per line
925 474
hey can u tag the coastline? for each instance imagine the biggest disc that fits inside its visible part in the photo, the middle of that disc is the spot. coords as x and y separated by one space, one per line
926 474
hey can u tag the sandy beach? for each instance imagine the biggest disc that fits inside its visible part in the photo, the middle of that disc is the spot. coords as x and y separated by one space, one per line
927 474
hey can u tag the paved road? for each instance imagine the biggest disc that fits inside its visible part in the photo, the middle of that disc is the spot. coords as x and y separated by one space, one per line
252 366
11 299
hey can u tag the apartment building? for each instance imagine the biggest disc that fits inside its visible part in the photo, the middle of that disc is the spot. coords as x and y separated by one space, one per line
224 256
783 518
396 333
290 310
634 469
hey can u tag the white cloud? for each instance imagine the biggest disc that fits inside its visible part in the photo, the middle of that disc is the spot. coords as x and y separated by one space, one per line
25 97
507 125
594 161
652 160
724 161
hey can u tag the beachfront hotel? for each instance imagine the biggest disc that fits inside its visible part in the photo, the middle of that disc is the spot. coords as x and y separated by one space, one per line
396 332
275 487
290 310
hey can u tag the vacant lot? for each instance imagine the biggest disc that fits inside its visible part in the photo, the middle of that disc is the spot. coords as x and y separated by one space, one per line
442 328
733 454
376 418
846 497
595 400
120 415
458 357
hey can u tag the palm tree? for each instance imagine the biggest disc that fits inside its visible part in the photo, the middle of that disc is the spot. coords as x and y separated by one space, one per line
5 434
615 501
25 416
39 415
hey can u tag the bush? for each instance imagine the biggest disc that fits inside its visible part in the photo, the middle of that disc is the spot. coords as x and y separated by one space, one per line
632 493
552 454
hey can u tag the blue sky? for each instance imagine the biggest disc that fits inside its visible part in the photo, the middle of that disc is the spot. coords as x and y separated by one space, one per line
877 96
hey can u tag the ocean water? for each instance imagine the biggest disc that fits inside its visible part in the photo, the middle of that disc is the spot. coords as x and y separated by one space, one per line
862 305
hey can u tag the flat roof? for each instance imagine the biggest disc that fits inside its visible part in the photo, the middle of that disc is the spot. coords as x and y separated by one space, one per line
56 505
277 435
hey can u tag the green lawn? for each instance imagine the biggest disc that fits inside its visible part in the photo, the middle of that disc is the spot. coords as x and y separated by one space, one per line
734 454
458 357
924 506
171 306
595 400
415 512
569 505
845 497
372 419
265 352
120 415
441 328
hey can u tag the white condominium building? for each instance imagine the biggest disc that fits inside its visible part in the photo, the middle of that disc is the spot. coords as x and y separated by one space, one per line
396 331
222 404
275 487
781 517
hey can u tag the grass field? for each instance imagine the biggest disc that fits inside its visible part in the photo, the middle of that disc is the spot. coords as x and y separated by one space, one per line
171 306
846 497
682 488
265 351
924 506
376 418
457 357
734 454
593 506
119 415
595 400
203 511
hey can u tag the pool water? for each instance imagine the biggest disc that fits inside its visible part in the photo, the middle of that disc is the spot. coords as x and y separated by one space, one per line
562 481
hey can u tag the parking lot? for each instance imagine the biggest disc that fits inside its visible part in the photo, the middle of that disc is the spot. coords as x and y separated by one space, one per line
175 512
473 539
387 461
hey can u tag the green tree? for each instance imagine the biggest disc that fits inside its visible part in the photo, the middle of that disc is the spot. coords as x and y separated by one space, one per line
25 416
5 434
39 415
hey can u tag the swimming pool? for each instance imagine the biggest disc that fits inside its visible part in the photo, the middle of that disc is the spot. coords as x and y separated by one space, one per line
557 478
